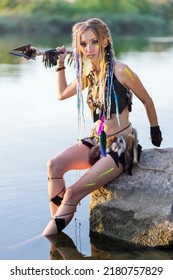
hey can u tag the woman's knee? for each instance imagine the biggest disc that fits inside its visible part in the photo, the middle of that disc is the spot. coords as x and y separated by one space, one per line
54 167
69 196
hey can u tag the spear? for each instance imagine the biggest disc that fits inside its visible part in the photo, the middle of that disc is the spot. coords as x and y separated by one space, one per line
49 56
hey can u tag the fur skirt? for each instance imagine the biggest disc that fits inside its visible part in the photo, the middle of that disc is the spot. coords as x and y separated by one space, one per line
122 148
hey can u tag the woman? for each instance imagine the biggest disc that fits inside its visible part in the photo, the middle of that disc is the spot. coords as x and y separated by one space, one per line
112 146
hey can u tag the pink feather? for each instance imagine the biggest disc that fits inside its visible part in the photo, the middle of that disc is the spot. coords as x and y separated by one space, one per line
101 125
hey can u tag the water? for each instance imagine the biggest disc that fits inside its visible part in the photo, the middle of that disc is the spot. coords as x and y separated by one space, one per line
34 126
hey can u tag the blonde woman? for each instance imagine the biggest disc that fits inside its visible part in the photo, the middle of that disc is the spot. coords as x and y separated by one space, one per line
112 147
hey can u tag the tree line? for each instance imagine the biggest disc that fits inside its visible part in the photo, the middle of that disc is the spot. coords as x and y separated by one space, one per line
123 16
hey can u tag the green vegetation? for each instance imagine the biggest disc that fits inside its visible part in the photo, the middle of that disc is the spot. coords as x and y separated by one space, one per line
56 17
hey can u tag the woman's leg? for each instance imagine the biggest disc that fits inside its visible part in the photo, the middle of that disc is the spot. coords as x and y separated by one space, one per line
74 157
101 173
56 190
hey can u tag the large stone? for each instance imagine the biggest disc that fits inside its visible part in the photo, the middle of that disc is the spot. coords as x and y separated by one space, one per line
138 208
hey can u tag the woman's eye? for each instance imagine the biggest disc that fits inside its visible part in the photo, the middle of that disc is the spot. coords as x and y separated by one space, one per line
83 44
94 42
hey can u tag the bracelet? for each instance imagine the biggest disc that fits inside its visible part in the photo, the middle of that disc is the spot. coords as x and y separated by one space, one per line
60 68
60 65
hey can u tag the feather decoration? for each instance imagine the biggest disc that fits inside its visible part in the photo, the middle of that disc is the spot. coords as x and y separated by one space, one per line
50 58
81 97
108 91
80 104
70 59
103 143
84 74
101 84
116 103
101 125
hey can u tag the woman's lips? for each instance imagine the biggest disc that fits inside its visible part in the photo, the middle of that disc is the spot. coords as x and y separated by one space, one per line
90 56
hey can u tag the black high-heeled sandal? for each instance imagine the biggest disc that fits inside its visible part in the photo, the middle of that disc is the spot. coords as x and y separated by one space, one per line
60 222
56 199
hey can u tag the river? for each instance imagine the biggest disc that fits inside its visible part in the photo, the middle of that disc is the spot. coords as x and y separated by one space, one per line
34 126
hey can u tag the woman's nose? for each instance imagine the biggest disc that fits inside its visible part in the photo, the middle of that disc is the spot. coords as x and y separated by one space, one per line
88 48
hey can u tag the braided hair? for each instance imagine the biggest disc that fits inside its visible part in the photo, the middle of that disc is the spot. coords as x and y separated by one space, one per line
106 58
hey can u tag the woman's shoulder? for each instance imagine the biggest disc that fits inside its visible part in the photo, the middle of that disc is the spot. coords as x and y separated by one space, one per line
122 71
119 67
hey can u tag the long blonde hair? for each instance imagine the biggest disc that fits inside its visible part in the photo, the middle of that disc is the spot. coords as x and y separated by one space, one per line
106 60
101 31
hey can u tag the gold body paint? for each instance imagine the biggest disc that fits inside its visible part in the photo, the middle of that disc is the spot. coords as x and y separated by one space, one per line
104 173
129 73
88 185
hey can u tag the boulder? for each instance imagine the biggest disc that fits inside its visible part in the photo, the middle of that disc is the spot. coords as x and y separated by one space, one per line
138 208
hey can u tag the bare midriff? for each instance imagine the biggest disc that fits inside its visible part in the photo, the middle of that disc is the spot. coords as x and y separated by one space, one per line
112 126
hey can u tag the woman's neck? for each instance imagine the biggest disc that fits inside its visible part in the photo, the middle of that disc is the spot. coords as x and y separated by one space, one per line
96 68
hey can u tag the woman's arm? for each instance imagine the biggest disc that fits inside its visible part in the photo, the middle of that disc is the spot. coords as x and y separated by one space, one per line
130 80
64 91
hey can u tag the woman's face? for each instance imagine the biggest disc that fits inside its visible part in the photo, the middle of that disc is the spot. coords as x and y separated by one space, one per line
89 46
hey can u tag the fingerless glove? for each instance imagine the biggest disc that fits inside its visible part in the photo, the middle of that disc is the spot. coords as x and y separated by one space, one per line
156 136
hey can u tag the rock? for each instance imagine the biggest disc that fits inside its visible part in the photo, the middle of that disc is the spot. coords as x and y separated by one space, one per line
138 208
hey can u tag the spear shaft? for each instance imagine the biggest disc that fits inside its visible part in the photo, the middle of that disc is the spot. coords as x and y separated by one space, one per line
49 56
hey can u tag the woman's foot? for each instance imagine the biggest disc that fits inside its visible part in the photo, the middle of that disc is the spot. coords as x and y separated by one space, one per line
60 220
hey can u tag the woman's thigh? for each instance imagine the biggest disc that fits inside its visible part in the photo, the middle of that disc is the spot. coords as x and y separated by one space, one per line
73 157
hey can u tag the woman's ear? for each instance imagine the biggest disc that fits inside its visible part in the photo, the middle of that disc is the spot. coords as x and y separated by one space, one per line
105 42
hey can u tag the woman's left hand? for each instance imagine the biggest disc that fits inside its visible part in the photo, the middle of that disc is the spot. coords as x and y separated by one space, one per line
156 136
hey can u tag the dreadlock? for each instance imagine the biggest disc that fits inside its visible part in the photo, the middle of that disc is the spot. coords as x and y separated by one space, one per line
106 65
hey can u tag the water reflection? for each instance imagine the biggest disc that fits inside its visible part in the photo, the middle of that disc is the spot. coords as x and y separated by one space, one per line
105 247
62 247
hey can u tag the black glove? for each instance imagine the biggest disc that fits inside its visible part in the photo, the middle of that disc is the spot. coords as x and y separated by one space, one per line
156 135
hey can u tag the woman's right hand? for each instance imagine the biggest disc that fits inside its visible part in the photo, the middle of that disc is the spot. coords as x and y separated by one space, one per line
62 55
